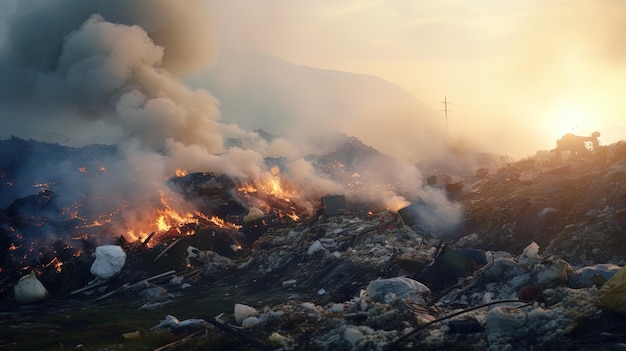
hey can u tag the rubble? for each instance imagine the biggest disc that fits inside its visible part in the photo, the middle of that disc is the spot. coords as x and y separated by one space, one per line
528 269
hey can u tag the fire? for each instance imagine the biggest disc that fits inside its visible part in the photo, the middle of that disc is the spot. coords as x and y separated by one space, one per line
271 184
273 194
218 221
163 219
247 188
82 169
223 224
181 172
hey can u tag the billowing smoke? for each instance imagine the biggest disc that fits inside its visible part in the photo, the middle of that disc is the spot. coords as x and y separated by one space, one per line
110 71
106 61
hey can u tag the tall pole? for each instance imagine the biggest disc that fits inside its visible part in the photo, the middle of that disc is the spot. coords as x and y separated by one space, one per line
445 103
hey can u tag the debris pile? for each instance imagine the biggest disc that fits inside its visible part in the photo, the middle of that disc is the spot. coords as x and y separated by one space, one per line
537 264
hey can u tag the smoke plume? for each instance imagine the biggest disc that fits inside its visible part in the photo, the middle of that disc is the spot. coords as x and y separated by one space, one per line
111 71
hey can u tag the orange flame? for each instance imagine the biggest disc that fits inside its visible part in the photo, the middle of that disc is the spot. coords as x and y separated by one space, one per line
163 220
181 172
218 221
271 184
223 224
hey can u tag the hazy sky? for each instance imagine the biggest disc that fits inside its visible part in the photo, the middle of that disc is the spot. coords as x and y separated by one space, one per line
519 74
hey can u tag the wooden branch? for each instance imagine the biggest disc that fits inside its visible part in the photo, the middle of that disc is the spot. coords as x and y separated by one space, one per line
167 248
129 286
180 341
145 242
394 345
89 287
240 336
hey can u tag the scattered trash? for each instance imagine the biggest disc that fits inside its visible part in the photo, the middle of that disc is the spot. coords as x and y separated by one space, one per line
334 204
253 215
171 322
595 275
291 283
315 247
153 306
400 287
110 260
131 335
29 289
244 311
530 253
384 280
613 293
532 293
448 266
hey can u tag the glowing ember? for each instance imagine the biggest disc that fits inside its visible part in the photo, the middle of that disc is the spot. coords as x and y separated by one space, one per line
82 169
81 237
58 265
181 173
13 247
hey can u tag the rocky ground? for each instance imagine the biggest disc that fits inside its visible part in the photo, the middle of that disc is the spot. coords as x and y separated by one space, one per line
540 238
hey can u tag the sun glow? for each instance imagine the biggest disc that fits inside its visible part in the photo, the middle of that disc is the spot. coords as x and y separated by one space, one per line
571 117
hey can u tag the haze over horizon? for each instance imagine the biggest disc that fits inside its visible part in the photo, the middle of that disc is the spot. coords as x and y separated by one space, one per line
518 75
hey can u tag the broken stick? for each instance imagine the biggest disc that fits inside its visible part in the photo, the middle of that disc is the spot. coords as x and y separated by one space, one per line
167 248
89 287
240 336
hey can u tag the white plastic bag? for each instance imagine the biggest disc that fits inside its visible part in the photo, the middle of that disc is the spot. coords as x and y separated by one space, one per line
531 252
109 261
402 287
244 311
29 289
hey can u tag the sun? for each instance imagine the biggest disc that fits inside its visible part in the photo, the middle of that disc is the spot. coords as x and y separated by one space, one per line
571 117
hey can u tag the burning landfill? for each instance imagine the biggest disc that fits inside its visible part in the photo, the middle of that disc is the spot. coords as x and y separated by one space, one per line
188 233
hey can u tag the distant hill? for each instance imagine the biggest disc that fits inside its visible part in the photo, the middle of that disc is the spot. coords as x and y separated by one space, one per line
258 91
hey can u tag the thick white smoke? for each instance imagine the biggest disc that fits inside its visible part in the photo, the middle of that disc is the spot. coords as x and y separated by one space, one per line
110 71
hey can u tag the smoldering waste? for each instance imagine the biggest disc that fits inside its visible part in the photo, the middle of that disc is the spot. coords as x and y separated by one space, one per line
527 270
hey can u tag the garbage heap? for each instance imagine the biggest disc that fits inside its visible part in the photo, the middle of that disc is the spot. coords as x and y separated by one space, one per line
538 265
